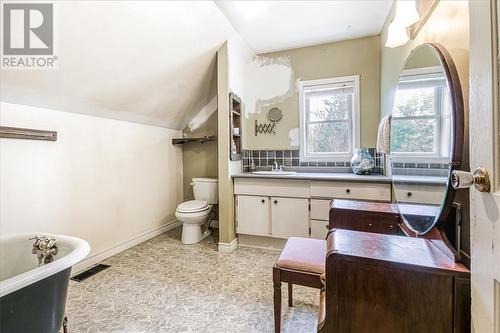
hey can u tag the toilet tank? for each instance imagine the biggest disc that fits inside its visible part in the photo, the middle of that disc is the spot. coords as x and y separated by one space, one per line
206 189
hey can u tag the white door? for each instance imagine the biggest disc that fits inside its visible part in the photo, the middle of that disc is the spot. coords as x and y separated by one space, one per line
252 215
484 151
289 217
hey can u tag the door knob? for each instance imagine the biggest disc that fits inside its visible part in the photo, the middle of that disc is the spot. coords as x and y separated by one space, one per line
479 178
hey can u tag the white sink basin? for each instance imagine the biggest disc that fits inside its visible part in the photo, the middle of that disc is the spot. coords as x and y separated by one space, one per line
274 173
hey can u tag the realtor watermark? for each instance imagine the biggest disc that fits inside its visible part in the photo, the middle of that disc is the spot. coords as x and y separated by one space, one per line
28 36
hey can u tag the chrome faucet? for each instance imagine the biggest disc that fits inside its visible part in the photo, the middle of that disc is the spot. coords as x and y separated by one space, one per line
45 249
276 167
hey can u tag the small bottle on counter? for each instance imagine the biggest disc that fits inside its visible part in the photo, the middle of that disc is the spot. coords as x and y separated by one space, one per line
233 147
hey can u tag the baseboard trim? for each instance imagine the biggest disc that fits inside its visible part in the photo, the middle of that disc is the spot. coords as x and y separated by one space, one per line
228 247
261 242
98 257
268 248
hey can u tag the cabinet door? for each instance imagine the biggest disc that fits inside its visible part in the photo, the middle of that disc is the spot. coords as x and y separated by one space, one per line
320 209
289 217
252 214
319 229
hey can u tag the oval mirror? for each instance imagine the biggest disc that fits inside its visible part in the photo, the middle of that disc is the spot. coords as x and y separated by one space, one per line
426 137
274 114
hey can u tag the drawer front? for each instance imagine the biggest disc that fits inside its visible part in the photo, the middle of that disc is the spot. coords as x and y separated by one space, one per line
272 187
432 195
320 209
367 222
381 226
351 190
319 229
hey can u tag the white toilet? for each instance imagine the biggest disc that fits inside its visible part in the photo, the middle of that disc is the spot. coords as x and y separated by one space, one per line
194 213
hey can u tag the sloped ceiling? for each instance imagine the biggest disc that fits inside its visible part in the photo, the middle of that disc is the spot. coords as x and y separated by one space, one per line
148 62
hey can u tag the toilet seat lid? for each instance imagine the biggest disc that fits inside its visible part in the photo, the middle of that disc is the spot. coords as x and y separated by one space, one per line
192 206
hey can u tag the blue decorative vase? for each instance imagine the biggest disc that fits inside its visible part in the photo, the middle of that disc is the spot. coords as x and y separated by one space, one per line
362 163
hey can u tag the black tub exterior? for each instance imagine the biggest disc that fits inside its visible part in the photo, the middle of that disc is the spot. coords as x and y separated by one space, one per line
37 308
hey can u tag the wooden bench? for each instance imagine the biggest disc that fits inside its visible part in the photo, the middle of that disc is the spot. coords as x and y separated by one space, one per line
301 262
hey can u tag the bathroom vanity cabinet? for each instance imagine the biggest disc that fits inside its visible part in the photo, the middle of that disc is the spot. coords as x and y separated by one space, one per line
283 208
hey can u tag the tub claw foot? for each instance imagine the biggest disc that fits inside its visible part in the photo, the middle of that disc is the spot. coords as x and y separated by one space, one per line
65 325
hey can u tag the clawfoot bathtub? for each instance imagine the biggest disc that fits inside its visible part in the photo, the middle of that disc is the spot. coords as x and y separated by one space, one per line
33 297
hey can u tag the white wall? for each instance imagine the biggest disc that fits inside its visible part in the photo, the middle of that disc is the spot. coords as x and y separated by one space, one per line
106 181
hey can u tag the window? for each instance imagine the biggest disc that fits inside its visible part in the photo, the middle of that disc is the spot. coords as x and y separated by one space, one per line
421 118
329 119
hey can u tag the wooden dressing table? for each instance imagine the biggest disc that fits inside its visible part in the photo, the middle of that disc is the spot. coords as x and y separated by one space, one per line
377 217
380 277
394 270
387 283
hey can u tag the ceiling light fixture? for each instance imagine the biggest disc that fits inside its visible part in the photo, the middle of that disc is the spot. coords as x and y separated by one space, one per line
397 35
406 12
406 15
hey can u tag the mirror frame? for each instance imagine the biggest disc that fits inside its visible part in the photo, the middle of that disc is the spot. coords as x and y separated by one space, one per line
274 109
457 104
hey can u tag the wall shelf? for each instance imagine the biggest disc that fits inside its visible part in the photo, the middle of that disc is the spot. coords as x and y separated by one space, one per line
235 122
204 139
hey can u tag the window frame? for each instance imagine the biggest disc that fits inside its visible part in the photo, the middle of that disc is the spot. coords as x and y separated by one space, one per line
437 154
305 156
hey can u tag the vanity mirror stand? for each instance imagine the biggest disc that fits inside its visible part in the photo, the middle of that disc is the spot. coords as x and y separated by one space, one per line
376 280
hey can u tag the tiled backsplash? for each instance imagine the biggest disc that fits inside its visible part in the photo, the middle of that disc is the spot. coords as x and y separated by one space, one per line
420 165
290 158
420 169
264 159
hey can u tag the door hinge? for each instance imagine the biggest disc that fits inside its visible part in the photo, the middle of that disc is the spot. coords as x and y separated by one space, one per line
309 231
309 206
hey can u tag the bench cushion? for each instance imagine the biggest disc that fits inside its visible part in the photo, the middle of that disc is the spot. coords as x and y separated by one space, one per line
303 254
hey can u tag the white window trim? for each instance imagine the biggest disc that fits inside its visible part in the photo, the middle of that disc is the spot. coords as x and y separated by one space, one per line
355 130
422 71
435 157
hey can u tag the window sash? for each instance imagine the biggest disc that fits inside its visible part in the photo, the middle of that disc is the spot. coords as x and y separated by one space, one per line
438 117
319 88
307 110
436 142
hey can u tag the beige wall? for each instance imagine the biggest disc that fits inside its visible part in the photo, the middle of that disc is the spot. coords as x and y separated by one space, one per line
449 26
226 203
352 57
233 59
200 160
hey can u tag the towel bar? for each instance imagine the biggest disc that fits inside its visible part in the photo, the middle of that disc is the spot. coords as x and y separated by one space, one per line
27 134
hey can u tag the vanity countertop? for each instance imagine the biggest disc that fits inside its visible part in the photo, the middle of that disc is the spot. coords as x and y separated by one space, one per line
428 180
321 176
